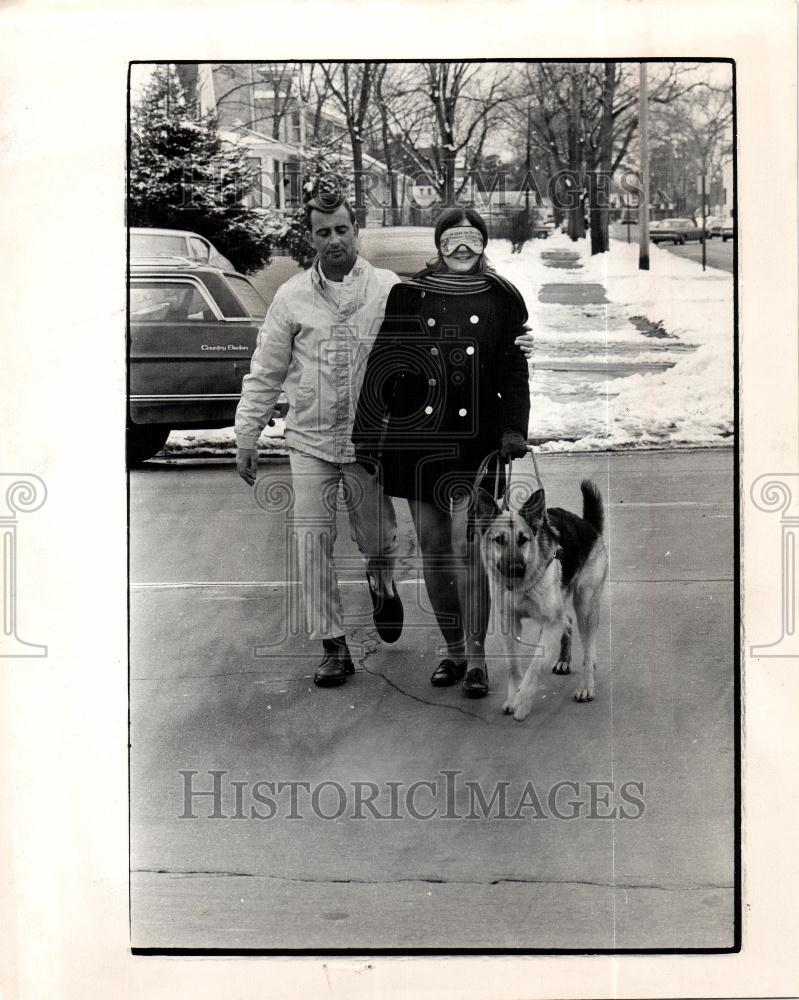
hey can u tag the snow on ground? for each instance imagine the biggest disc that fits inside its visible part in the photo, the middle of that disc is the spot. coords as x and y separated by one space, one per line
688 403
598 382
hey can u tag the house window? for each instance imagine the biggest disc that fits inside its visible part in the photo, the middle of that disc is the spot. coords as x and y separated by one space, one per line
295 135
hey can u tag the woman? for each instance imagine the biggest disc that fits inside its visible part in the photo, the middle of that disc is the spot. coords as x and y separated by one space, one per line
444 386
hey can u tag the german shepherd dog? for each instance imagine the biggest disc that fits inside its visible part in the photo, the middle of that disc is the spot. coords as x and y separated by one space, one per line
542 563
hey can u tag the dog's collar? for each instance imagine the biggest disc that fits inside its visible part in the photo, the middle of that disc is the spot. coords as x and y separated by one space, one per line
555 555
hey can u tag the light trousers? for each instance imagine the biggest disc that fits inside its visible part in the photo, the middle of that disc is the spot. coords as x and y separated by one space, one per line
373 526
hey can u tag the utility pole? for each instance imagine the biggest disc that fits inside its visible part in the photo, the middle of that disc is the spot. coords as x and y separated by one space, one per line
527 163
704 223
643 216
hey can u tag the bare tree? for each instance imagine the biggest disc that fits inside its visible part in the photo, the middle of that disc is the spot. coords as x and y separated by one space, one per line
584 118
351 86
314 91
280 78
696 132
385 95
444 116
248 81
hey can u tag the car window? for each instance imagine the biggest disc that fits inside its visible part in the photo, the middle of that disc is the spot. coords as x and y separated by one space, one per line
252 301
199 249
168 302
157 245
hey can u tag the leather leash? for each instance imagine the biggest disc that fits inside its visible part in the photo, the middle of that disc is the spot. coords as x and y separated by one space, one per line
506 465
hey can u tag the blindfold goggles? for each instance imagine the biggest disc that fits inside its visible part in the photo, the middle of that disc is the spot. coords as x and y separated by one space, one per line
461 236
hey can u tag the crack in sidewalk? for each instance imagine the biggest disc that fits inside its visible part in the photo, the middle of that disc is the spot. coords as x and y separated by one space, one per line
499 880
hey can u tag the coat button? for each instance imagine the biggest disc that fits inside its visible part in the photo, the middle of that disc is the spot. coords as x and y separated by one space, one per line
432 381
470 350
428 410
431 322
474 319
462 412
434 351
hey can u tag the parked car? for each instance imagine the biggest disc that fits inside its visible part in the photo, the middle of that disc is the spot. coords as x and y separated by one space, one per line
403 249
145 242
713 224
192 332
674 230
727 230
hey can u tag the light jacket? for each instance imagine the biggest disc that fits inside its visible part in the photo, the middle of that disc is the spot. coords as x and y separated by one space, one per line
316 351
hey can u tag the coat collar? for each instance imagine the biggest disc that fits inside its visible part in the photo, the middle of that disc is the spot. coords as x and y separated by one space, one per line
319 279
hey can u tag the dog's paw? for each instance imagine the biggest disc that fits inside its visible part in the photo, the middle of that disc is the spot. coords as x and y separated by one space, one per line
584 694
562 667
521 711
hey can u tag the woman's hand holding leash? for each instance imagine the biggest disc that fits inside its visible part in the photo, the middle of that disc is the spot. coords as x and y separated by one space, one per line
514 445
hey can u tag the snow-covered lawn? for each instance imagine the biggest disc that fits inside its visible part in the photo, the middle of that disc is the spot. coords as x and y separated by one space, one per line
595 383
690 403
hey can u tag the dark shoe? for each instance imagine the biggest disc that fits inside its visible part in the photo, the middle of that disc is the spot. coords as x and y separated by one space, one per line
447 673
337 664
475 684
387 613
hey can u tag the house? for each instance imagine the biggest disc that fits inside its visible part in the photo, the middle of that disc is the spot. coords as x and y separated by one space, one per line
260 108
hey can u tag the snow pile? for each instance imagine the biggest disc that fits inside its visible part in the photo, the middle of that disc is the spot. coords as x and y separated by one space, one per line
688 404
615 406
210 443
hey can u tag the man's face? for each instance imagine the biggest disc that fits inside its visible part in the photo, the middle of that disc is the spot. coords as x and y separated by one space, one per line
333 237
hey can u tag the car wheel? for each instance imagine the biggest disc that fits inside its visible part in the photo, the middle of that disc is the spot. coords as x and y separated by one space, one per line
144 441
724 239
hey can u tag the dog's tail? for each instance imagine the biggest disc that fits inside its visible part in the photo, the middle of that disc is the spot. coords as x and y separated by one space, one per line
593 508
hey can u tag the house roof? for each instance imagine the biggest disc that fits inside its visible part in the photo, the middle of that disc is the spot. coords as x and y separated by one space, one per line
252 136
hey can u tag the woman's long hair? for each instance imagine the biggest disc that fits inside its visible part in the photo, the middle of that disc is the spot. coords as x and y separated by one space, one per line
449 219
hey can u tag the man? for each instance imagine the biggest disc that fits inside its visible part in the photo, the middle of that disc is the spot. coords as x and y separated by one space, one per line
314 343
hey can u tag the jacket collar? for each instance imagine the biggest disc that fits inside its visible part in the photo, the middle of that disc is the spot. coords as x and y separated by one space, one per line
318 276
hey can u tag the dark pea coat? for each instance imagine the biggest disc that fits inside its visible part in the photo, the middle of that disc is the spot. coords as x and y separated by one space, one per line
443 380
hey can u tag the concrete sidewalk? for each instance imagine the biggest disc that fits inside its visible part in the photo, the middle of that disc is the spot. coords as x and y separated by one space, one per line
220 683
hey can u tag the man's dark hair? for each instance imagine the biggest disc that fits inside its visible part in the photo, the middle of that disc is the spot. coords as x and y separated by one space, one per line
326 196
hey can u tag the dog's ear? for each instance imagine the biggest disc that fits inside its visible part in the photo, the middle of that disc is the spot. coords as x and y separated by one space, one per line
484 509
534 510
554 534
